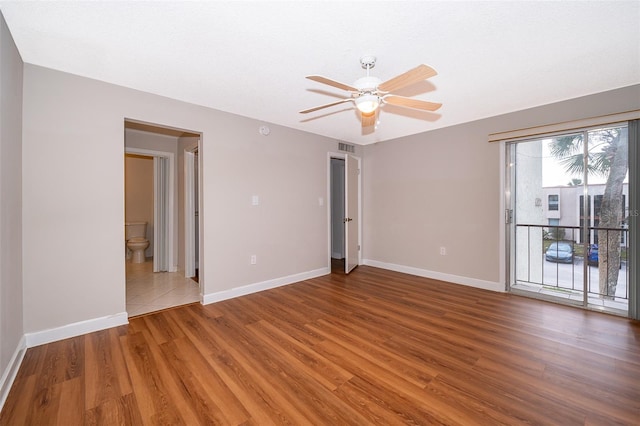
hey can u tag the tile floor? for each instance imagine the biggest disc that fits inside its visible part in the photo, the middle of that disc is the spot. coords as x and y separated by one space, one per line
149 291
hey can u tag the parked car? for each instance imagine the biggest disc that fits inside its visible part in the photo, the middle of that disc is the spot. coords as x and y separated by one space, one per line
592 256
559 252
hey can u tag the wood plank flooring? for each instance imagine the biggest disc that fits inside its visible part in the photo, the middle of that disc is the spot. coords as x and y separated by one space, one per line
373 347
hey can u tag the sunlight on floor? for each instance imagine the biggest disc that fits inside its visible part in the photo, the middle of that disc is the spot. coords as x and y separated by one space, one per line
148 291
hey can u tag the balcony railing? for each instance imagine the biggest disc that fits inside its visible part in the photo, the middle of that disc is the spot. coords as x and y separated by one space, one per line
539 269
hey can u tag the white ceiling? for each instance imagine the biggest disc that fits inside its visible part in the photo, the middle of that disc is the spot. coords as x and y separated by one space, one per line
250 58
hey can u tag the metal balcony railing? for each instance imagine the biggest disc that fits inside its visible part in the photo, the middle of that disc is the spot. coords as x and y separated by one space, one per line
537 267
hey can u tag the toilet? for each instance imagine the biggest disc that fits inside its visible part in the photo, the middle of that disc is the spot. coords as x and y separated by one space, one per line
135 233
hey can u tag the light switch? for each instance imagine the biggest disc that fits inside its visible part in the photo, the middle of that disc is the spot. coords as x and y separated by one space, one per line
320 201
255 200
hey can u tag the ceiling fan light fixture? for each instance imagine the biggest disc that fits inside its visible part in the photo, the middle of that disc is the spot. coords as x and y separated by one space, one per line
367 103
369 92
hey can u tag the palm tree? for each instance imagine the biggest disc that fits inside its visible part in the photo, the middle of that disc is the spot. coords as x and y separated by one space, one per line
607 156
575 182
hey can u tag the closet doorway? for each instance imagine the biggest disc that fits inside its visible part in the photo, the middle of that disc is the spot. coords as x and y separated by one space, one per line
344 212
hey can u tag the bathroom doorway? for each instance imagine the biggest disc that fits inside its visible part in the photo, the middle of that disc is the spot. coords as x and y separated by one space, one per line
149 200
156 280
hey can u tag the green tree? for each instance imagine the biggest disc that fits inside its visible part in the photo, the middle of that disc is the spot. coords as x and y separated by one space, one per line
607 156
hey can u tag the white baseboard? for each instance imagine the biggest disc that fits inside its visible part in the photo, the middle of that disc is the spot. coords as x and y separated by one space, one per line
261 286
456 279
336 255
76 329
9 374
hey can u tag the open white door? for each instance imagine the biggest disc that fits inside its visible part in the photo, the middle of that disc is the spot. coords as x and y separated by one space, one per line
352 214
189 214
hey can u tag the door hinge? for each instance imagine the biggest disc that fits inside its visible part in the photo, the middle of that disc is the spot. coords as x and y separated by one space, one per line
508 216
358 172
358 247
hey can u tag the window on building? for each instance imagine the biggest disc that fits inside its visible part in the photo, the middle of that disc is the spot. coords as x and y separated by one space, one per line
553 202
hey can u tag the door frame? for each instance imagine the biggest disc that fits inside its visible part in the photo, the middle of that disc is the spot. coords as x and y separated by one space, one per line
505 216
508 182
343 156
173 265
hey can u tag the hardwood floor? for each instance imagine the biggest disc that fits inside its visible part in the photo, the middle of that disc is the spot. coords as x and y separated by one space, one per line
373 347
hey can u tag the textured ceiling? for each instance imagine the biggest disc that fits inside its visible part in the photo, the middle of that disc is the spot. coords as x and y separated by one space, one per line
250 58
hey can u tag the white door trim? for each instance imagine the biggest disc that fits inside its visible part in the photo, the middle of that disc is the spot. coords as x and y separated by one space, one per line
171 252
331 155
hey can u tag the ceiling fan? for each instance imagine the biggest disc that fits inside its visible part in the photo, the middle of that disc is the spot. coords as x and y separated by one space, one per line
369 92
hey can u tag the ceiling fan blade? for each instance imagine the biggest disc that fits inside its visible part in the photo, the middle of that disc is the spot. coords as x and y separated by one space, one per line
325 80
341 101
368 119
410 103
419 73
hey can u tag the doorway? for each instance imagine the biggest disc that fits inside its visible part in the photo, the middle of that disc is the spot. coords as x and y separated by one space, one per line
161 221
158 281
344 183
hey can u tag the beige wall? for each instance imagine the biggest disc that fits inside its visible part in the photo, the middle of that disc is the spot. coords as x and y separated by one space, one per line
150 141
11 308
138 173
443 189
70 120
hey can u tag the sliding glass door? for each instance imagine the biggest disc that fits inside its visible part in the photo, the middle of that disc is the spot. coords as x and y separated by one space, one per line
567 215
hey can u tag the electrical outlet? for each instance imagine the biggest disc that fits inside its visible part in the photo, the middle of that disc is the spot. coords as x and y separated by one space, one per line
443 251
254 259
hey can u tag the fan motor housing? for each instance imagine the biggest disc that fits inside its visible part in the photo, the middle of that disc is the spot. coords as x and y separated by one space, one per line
367 84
